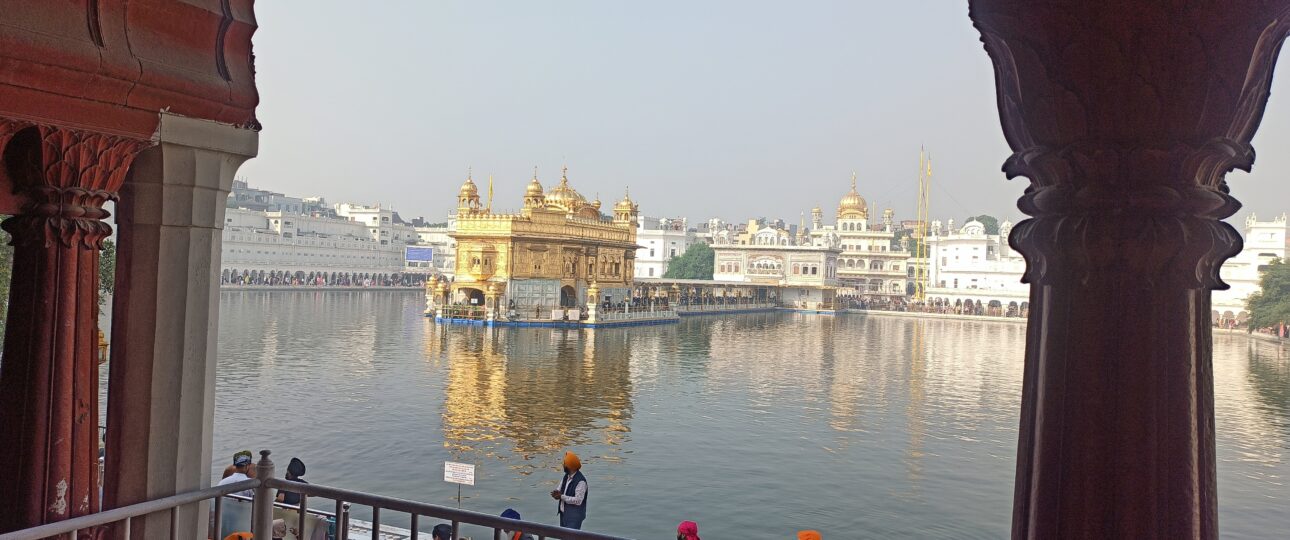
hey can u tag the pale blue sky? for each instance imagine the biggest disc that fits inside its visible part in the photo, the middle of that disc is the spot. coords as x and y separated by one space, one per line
735 108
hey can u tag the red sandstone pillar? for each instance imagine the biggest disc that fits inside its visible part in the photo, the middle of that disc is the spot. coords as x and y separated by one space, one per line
1125 116
49 378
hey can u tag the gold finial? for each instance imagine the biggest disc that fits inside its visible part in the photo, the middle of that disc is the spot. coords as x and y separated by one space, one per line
853 179
535 172
469 172
564 172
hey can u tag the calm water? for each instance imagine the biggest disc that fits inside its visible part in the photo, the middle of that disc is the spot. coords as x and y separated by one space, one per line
754 425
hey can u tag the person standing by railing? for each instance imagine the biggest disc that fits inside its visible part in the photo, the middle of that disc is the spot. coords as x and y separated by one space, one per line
572 493
241 463
295 472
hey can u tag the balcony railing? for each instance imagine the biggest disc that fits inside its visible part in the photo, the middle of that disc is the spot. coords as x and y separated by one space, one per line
262 513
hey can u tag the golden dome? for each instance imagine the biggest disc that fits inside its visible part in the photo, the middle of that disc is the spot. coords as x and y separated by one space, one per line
534 189
626 203
565 197
468 189
852 202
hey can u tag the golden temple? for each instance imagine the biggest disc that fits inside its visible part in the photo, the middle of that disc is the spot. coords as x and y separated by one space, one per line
545 257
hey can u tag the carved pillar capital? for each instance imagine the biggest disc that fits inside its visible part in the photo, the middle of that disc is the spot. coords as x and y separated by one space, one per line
66 176
1126 122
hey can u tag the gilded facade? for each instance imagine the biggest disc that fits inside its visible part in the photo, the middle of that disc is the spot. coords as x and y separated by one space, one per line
519 265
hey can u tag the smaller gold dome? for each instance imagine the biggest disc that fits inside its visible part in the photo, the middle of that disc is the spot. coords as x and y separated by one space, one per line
534 189
468 189
625 204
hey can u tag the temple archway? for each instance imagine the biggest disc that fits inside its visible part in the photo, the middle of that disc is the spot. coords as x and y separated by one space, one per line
568 297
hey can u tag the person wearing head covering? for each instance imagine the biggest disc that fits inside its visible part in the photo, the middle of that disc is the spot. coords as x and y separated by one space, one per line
229 470
241 464
517 534
295 470
687 530
442 531
808 535
572 493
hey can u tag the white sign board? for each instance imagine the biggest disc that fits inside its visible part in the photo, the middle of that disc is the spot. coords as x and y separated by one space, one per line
459 473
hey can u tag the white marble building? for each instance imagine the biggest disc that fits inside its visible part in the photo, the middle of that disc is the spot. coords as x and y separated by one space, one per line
868 265
969 264
274 235
439 238
1264 241
660 240
807 273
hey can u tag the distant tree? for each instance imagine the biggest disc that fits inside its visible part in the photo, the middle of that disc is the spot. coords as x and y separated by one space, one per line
695 263
911 243
1271 305
107 269
991 223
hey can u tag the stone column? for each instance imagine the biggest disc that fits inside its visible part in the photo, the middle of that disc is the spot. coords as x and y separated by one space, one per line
432 285
1125 116
161 398
49 381
490 302
593 302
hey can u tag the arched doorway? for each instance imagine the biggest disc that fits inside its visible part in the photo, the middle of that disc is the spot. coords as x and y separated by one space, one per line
473 297
568 297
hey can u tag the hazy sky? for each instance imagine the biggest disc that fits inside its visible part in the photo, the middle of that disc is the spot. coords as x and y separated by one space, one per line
734 109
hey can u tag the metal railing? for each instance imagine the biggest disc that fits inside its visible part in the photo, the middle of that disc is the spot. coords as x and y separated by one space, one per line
126 514
416 510
636 314
464 312
262 512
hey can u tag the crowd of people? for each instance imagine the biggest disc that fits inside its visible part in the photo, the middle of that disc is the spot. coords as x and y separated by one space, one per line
934 305
572 501
286 278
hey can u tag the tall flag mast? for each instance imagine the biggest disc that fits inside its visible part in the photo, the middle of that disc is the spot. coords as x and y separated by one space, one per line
922 260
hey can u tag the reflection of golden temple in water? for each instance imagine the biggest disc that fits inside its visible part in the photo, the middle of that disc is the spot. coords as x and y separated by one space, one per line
500 390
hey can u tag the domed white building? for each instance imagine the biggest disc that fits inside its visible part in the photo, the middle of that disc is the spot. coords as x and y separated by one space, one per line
1264 241
869 264
969 265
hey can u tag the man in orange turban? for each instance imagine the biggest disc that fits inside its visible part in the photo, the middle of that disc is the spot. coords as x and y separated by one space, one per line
808 535
572 493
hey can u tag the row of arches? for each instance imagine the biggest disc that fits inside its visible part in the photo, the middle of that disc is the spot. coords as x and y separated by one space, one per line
992 308
862 264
